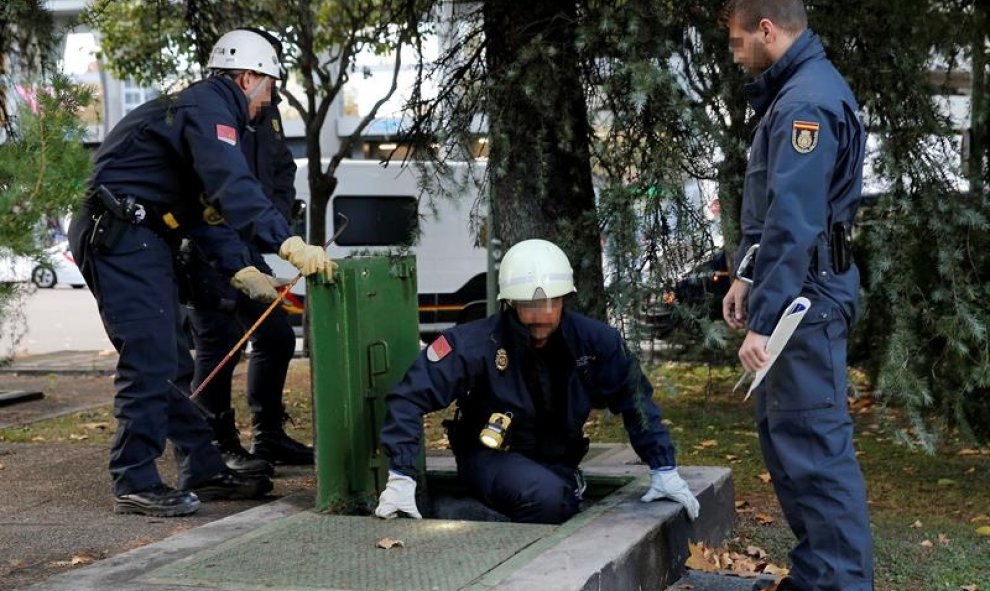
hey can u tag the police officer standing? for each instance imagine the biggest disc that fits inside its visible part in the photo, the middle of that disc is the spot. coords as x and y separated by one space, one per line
800 197
143 197
220 314
525 380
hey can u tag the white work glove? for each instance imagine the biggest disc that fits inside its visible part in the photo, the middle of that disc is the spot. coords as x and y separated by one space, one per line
399 495
309 259
667 483
255 284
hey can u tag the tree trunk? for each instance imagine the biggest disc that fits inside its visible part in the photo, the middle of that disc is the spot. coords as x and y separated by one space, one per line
539 161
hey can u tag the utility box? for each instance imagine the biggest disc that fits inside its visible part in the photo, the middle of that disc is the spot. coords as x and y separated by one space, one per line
364 335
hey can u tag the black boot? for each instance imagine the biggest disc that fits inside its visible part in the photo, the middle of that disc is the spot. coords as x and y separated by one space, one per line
159 501
228 484
228 441
271 443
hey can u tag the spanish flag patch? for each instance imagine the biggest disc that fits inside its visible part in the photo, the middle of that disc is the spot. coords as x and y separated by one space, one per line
804 136
438 349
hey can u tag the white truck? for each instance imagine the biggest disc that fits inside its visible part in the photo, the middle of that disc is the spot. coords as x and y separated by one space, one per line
389 211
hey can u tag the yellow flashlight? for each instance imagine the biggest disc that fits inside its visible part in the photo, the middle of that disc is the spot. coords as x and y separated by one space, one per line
493 435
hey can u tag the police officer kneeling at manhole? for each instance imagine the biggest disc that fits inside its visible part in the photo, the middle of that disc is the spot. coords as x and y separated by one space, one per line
525 380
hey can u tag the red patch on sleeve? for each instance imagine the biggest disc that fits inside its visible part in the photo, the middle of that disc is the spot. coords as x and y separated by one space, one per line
438 349
227 134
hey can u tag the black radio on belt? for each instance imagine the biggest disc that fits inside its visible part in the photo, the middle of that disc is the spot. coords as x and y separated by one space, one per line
114 217
840 247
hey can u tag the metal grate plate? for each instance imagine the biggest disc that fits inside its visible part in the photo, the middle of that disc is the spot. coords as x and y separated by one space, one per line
310 551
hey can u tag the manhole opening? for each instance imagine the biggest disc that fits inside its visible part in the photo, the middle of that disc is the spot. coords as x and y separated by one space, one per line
446 498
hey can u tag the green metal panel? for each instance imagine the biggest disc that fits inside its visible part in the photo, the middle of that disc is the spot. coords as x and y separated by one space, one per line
364 334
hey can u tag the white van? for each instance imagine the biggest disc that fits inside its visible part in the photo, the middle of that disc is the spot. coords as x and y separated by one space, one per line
388 209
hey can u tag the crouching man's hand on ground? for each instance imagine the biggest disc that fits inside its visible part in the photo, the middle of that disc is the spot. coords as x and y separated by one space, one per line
399 496
667 483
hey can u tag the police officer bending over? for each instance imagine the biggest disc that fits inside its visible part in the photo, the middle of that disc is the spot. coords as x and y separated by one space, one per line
525 380
143 198
220 314
800 197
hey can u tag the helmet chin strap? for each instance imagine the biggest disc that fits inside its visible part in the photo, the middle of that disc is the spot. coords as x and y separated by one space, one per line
254 92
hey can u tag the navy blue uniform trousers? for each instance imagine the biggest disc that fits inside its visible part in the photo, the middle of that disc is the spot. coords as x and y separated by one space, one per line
272 347
135 290
806 436
520 488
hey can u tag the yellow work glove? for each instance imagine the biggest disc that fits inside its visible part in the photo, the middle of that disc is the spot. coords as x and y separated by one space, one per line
255 284
307 258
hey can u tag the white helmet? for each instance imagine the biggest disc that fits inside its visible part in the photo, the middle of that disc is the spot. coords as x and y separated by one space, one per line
245 50
534 270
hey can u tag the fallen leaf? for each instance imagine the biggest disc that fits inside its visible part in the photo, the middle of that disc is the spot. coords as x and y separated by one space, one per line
970 588
983 531
75 437
969 452
389 543
916 524
37 439
741 504
731 458
773 569
946 482
756 552
99 426
765 477
971 470
2 466
764 519
82 559
701 559
927 544
709 443
980 519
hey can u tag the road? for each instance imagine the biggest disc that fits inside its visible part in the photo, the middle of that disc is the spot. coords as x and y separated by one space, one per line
61 319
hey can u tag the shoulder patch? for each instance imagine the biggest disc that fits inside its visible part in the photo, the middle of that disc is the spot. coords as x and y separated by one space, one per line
804 136
438 349
227 134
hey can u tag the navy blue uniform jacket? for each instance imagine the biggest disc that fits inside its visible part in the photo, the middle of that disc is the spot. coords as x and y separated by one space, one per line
805 174
172 149
600 373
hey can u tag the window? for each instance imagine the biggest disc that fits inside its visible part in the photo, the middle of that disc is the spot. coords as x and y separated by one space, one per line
133 96
376 221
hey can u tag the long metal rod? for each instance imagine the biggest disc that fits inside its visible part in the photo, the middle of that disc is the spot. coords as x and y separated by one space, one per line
281 294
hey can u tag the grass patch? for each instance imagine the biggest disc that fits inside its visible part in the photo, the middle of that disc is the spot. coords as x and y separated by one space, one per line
947 493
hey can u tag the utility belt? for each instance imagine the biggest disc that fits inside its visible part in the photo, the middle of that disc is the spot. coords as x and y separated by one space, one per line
463 435
112 215
839 247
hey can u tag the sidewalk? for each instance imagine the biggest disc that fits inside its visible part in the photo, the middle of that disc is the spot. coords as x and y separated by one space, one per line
56 512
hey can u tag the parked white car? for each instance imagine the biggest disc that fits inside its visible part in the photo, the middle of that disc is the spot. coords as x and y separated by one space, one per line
60 267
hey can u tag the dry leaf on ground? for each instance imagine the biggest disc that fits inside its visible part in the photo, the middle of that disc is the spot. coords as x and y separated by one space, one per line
765 477
764 519
389 543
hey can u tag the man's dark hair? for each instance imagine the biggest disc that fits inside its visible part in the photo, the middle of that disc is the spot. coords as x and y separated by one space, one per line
789 15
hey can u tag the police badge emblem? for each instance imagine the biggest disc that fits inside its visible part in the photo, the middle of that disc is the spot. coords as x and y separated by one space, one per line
804 136
501 359
276 127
